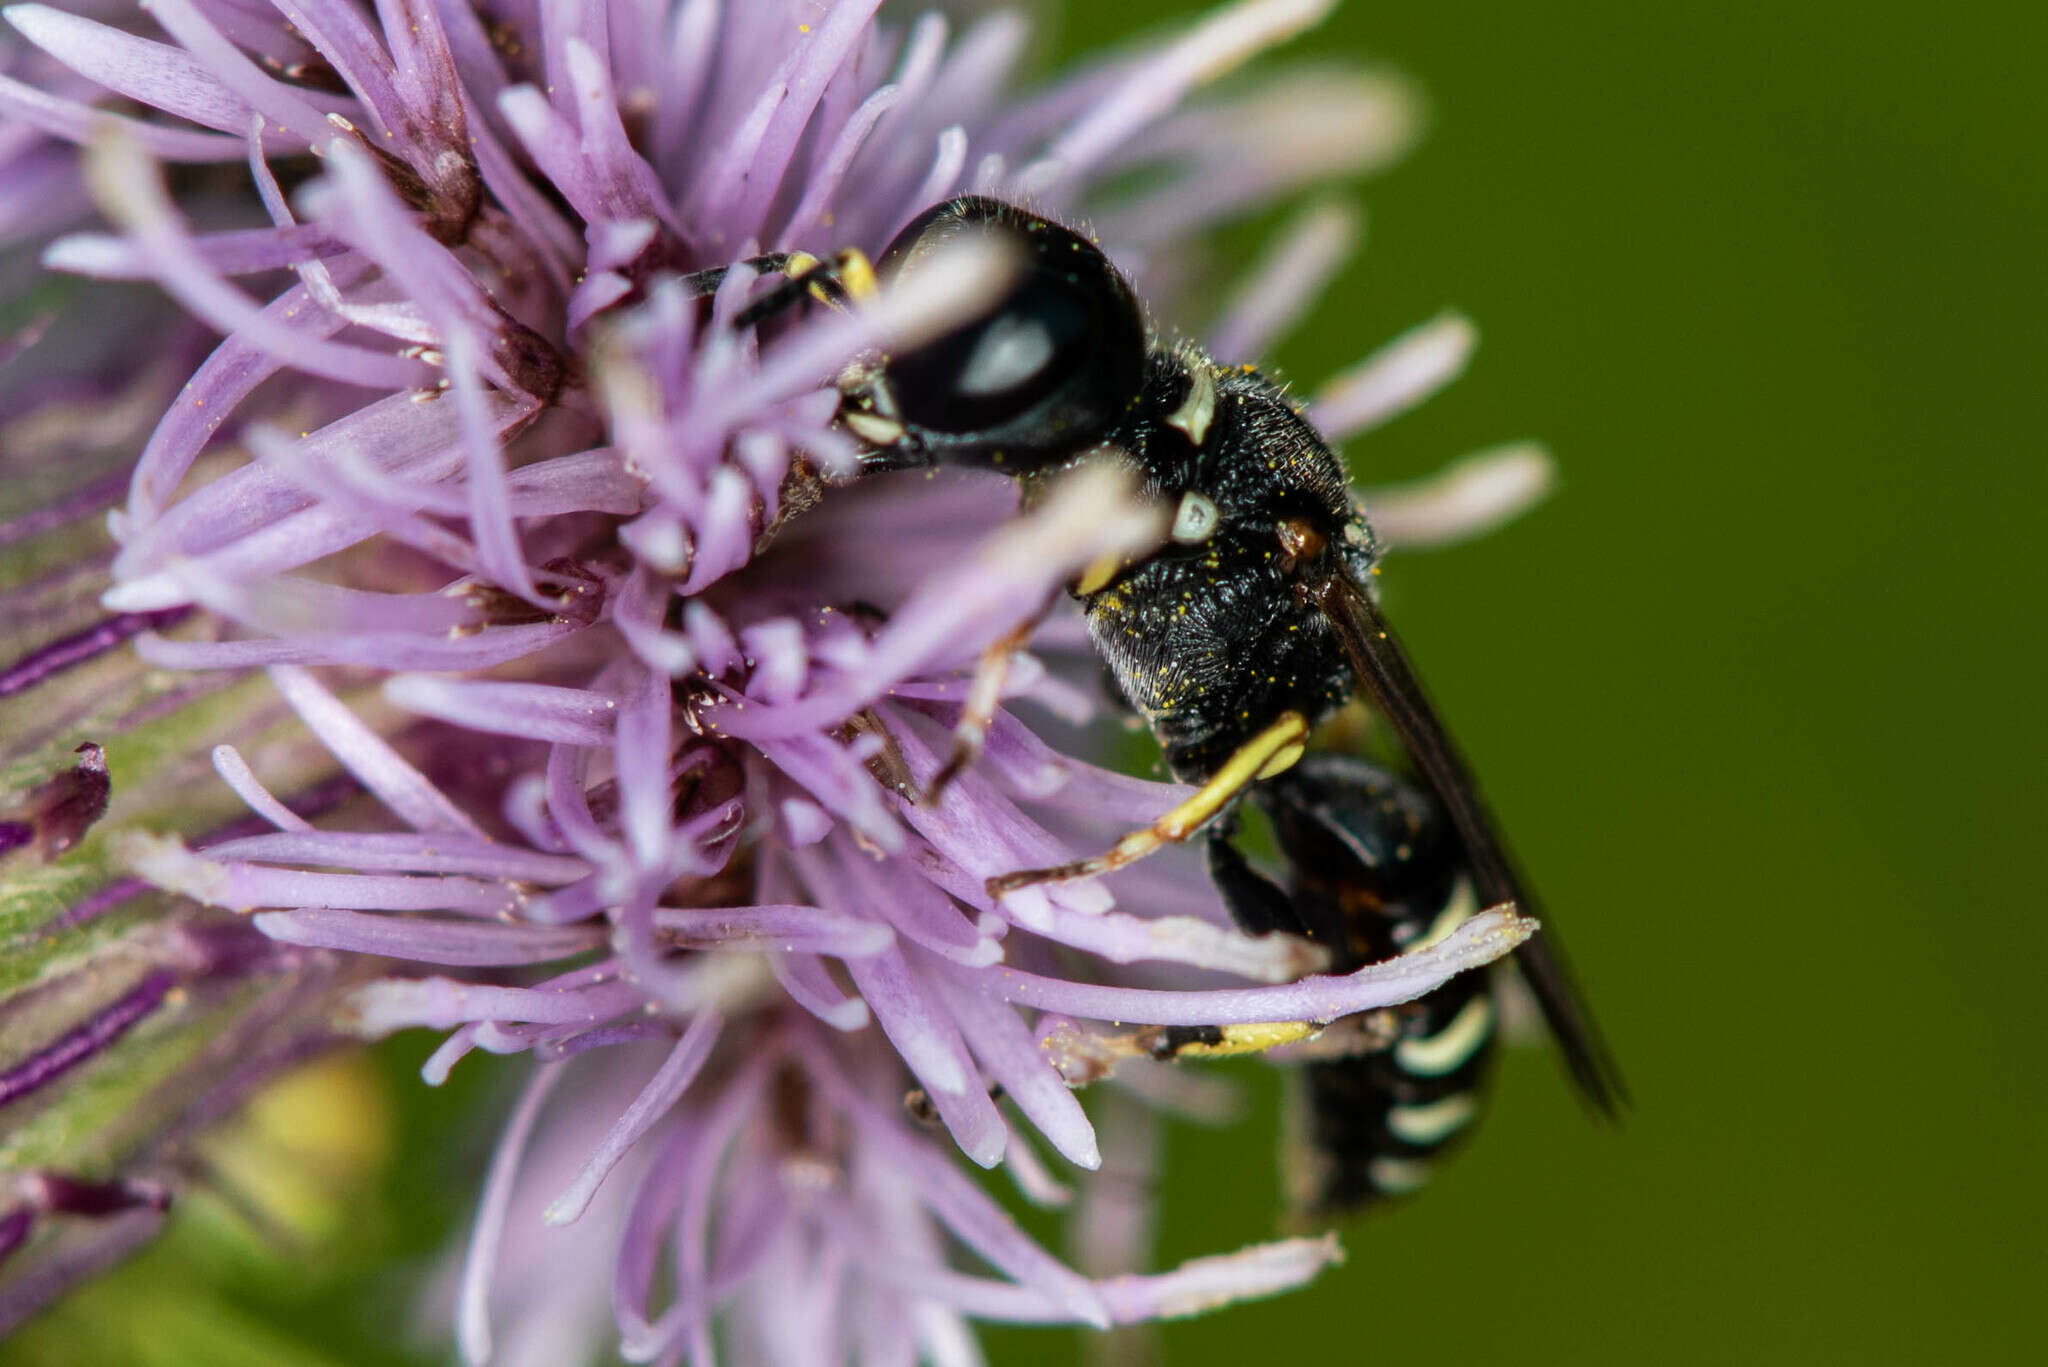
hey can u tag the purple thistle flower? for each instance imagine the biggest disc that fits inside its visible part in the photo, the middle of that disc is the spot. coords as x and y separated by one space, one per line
595 593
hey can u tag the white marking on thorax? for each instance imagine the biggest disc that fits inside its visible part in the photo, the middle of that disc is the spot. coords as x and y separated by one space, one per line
1195 520
1198 409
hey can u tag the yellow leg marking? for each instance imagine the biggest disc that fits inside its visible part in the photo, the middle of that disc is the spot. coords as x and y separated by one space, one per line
857 274
1282 760
1250 1039
849 277
1089 1057
1254 760
1265 754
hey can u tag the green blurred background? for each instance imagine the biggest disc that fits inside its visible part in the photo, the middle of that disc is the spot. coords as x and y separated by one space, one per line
1754 693
1757 692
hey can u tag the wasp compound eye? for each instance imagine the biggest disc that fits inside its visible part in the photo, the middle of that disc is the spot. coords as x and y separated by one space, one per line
1044 370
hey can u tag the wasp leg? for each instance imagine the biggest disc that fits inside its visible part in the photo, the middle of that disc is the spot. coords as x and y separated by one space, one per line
1172 1042
924 1112
886 764
1259 906
846 277
1256 903
984 695
1268 753
702 284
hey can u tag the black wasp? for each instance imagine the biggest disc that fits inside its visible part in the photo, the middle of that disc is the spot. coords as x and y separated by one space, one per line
1252 624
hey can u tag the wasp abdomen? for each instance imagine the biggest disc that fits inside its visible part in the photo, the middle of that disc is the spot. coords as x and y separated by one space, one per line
1373 872
1369 1128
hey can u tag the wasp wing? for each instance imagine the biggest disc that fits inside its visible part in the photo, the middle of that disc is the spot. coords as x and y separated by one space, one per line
1389 681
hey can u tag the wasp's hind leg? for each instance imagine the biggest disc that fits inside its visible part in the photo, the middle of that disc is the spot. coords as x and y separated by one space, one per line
1270 752
1257 904
1259 907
